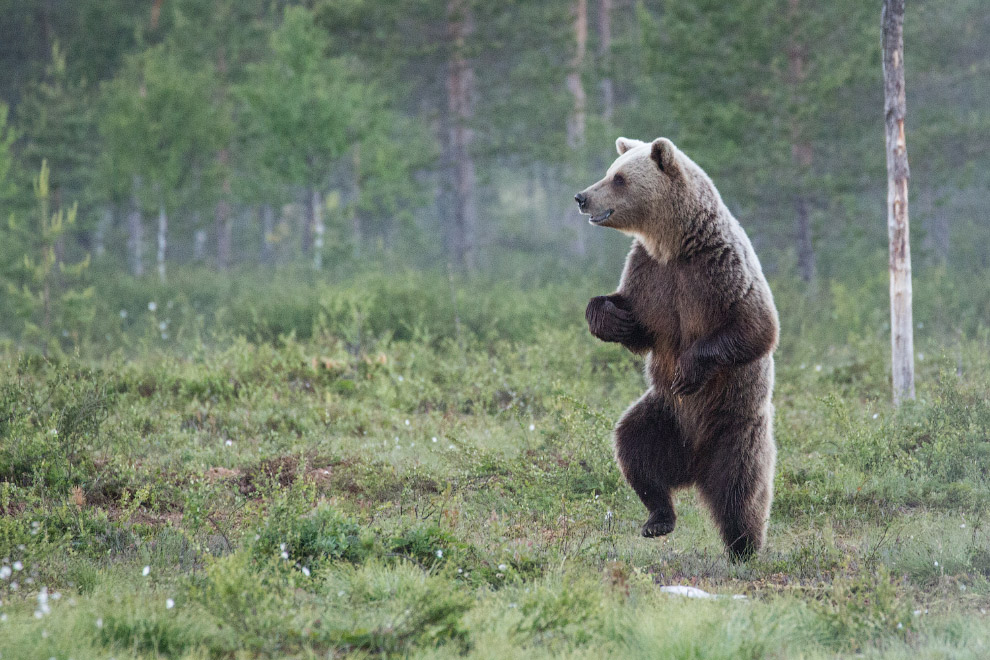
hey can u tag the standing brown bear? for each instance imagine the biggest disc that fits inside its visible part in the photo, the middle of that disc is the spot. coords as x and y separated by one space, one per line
692 298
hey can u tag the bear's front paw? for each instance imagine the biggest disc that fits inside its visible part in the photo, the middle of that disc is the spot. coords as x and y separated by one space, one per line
689 376
609 322
658 524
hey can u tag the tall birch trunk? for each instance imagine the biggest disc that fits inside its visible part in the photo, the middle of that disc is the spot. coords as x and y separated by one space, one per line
604 54
135 231
460 108
222 216
307 221
898 174
222 213
802 154
356 202
316 212
267 233
100 235
577 120
199 245
162 237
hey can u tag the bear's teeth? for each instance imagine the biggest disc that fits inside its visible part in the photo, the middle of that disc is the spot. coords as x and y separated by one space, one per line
602 217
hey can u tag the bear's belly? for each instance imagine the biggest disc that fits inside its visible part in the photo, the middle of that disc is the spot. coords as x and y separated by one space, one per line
733 393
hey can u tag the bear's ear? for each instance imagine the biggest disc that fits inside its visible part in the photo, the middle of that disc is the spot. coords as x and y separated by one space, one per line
663 155
622 145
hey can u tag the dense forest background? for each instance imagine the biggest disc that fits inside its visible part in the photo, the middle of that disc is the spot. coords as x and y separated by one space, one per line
332 137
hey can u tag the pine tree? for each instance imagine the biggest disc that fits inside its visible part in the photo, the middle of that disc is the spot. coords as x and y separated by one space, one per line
50 295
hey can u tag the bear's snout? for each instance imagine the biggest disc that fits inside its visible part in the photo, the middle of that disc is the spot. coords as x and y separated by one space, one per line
582 200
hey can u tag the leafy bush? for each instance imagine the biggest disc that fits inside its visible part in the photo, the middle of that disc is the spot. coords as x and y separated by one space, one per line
314 538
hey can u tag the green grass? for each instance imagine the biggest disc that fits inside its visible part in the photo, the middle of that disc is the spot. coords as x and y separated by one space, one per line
393 481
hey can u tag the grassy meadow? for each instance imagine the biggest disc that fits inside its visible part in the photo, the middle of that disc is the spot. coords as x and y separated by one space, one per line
409 466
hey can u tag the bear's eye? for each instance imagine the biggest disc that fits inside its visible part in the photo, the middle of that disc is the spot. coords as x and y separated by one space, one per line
618 180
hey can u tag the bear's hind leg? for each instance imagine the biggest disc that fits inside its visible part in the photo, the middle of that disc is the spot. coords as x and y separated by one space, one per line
736 481
654 458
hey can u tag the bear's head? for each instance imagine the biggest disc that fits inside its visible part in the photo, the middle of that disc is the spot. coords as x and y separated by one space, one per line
650 191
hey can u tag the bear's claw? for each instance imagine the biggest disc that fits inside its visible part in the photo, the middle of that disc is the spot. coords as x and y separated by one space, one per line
654 528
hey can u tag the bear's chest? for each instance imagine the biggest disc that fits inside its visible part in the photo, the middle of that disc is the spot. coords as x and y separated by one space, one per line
653 294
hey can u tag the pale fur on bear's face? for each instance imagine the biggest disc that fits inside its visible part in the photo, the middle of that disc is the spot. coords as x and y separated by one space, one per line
643 194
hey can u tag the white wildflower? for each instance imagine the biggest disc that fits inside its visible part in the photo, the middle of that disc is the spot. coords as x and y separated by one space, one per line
305 571
169 603
152 306
145 571
439 554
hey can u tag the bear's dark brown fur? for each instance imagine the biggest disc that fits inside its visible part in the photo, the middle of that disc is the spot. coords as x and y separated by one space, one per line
692 298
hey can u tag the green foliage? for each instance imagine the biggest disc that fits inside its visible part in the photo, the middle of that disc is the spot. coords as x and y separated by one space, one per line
309 538
49 294
7 136
302 106
49 432
208 456
156 126
865 608
56 124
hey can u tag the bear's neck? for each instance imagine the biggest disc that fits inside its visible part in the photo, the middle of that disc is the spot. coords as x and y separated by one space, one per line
695 229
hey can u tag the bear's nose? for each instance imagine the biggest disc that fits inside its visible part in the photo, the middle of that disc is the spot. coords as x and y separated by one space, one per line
581 199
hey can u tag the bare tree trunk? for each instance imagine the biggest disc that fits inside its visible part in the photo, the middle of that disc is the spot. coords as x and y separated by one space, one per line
199 245
804 238
307 221
162 237
267 231
135 232
937 232
898 174
576 122
460 105
222 213
316 204
100 235
356 201
802 154
222 216
604 54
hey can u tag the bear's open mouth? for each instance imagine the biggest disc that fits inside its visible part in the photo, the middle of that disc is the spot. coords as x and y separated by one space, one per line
601 217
